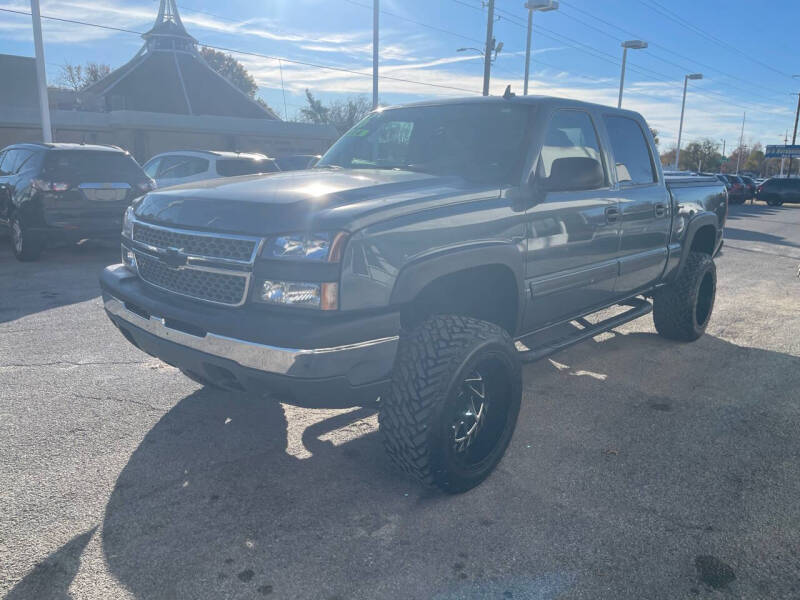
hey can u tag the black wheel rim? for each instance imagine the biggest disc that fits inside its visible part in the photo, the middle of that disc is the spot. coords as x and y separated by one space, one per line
705 299
480 412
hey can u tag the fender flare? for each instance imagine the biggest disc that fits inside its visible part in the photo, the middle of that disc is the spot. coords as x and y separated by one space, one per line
416 275
695 224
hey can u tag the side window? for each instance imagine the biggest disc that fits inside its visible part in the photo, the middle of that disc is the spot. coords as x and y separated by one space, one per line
24 161
10 161
631 151
181 166
151 168
570 158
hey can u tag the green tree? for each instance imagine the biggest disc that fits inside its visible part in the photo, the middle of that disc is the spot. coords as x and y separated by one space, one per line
231 69
701 156
342 114
654 131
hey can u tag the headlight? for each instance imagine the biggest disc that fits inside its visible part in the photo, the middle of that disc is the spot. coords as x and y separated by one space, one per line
323 296
127 223
323 247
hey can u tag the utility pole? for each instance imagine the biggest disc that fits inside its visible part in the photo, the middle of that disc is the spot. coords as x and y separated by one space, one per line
487 55
41 78
783 158
741 141
375 15
794 135
723 147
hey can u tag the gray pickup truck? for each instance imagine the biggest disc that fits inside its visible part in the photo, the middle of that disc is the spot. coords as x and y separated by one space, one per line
414 268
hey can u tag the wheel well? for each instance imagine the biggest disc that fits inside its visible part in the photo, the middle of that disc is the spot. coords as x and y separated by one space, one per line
487 292
704 240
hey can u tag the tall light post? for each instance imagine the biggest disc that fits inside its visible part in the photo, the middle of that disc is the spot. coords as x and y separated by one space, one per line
794 135
487 53
683 107
541 6
633 45
376 9
41 79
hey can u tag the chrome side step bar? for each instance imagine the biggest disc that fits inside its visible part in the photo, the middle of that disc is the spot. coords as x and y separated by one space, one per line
639 308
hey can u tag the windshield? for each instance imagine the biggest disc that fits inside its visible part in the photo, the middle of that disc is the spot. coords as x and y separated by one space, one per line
230 167
92 165
481 142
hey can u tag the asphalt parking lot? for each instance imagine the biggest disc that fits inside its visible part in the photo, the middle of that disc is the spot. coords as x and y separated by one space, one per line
640 468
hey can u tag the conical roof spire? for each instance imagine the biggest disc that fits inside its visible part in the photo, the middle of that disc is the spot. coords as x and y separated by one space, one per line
168 31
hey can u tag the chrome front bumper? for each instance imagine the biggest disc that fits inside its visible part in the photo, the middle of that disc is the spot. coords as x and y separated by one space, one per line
358 362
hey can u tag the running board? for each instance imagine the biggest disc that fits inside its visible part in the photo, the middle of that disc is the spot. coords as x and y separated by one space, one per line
639 308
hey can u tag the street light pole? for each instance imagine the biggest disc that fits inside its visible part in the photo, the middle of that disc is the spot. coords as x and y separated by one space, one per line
487 54
375 52
794 135
41 78
683 107
533 5
634 45
741 141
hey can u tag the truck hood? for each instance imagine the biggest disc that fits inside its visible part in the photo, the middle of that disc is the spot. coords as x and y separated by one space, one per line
300 200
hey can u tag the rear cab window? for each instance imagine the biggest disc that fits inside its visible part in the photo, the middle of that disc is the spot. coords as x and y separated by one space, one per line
177 166
632 154
231 167
91 166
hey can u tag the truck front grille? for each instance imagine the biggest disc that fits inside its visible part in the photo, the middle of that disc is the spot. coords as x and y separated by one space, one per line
210 286
196 244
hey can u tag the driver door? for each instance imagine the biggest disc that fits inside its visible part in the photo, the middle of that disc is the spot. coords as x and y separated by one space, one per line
572 235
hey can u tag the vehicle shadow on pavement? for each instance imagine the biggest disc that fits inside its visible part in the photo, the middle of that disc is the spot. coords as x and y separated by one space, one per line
51 578
639 468
63 275
731 233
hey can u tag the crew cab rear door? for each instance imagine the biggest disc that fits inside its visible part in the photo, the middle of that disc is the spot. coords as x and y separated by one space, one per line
644 204
572 233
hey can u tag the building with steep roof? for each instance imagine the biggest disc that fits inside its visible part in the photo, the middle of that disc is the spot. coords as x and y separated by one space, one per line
169 75
165 98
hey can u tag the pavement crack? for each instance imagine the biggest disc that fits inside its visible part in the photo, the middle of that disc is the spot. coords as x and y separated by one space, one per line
74 363
141 403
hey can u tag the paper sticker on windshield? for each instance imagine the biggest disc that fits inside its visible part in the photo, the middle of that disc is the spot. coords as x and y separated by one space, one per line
360 132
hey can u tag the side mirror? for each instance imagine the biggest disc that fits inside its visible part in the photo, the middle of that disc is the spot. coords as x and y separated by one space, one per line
575 173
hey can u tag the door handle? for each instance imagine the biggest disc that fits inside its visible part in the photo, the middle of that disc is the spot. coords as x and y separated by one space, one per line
660 209
612 213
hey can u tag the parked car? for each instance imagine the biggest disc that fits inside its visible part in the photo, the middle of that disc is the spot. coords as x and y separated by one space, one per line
777 190
749 187
297 162
174 168
400 271
735 186
58 191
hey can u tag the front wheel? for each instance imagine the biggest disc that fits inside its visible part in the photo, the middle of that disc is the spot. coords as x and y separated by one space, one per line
454 401
26 246
682 310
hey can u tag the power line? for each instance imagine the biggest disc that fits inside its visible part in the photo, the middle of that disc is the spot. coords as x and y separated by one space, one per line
248 53
653 54
601 55
655 6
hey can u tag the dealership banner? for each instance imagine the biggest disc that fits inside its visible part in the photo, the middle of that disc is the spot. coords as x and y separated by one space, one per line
782 152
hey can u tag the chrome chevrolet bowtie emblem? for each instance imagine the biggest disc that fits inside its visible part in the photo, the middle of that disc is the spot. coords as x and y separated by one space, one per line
173 257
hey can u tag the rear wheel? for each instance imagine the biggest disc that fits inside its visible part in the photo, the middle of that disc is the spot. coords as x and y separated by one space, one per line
26 246
454 401
682 310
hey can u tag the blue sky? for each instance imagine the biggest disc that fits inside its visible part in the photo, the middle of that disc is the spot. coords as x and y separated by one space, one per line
745 51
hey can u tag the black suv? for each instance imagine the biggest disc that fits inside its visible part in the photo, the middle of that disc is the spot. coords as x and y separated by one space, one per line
65 191
777 190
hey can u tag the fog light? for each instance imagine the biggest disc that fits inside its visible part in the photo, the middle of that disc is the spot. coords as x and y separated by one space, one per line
129 259
292 293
